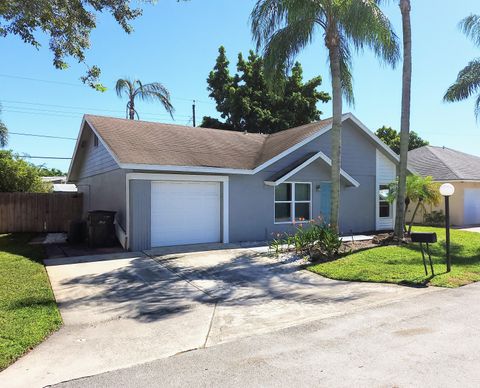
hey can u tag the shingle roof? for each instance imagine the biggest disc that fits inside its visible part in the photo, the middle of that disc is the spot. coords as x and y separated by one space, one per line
444 164
142 142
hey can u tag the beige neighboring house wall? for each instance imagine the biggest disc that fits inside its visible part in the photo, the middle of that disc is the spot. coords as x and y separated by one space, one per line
462 170
457 207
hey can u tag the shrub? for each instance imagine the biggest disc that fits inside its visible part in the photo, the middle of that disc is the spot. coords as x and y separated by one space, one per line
309 238
329 241
435 218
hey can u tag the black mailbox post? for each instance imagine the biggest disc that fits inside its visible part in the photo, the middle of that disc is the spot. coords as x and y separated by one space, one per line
425 238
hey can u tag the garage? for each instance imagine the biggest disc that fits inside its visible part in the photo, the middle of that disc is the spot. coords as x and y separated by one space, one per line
185 212
471 211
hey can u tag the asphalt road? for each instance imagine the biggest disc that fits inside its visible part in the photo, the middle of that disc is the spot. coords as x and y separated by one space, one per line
430 340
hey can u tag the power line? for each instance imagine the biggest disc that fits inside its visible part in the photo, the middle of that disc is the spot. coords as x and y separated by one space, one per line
56 113
38 80
44 157
81 85
41 135
75 107
42 114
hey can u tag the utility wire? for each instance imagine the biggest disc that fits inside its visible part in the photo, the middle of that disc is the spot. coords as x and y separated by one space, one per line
44 157
83 109
41 135
81 85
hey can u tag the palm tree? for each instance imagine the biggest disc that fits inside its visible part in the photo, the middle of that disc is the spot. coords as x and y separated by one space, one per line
421 190
284 27
3 132
468 79
148 92
405 117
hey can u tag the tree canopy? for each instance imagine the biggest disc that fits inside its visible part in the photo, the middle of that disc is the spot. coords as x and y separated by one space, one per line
392 138
468 79
135 88
45 171
419 190
67 23
246 103
17 175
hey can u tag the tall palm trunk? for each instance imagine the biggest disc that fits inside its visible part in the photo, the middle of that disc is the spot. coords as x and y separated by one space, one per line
336 133
405 118
131 109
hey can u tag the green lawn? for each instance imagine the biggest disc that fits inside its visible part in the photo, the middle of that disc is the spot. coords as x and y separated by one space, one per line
403 265
28 312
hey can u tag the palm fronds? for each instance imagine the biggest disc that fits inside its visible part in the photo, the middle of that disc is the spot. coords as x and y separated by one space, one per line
282 28
147 92
468 79
470 26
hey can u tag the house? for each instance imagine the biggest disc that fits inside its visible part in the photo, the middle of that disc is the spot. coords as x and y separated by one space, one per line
458 168
64 188
172 184
59 184
54 179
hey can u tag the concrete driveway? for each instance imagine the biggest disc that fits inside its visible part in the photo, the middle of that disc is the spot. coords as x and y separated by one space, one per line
127 309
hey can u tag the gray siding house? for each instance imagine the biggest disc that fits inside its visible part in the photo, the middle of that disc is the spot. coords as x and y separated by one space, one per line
173 185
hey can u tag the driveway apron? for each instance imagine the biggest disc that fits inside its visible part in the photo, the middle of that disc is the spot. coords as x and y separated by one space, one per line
256 293
127 309
116 313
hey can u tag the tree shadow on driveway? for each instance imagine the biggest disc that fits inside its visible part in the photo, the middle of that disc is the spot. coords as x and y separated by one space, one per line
150 290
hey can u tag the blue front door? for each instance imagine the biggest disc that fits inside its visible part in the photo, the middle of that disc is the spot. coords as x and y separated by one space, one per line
325 203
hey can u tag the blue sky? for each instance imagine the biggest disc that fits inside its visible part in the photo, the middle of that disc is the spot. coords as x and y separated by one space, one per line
176 44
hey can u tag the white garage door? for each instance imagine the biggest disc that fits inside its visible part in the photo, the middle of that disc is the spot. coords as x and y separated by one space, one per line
185 213
471 209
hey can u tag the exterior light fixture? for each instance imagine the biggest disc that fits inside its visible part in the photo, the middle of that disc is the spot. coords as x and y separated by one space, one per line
447 190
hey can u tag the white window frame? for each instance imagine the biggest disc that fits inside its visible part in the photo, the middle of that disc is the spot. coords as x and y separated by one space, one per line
390 205
292 203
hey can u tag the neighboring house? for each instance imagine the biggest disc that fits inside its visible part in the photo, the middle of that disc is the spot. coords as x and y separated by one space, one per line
460 169
172 184
54 179
59 184
64 188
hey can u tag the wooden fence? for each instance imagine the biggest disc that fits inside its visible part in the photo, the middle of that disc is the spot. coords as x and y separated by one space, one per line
39 212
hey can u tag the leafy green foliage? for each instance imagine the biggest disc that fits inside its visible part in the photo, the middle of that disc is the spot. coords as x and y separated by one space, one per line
392 138
468 79
403 264
435 218
154 91
28 312
17 175
68 24
309 239
419 190
246 103
45 171
283 28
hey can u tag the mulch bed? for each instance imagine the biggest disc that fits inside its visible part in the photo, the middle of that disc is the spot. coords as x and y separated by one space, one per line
355 246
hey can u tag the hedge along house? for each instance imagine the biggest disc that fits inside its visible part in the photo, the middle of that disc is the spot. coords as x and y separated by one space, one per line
173 185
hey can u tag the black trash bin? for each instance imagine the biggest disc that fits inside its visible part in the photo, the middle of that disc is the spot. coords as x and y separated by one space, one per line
77 232
101 229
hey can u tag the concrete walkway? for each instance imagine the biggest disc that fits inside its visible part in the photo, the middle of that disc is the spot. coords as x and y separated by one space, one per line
124 309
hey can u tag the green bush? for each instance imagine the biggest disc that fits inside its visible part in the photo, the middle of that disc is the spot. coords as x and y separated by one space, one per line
307 239
17 175
435 218
329 241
